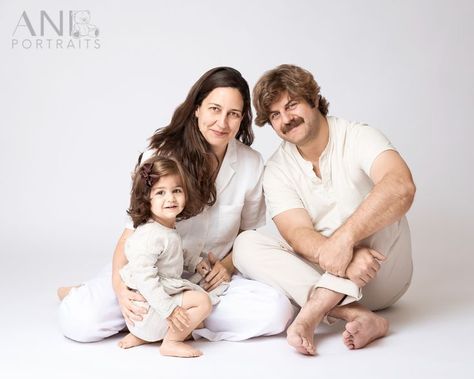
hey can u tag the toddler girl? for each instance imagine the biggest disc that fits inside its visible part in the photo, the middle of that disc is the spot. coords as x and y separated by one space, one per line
160 196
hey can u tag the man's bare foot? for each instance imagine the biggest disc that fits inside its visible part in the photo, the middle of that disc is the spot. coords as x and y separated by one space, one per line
64 291
130 341
300 333
364 329
301 336
179 349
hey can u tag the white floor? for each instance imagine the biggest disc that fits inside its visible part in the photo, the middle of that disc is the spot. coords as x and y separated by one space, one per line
431 336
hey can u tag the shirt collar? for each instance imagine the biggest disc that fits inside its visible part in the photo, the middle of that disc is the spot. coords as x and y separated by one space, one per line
227 171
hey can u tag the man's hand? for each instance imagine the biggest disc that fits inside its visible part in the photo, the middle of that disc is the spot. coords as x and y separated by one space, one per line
364 265
335 254
178 320
129 310
218 274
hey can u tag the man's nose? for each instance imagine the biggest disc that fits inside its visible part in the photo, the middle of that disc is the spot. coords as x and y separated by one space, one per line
285 117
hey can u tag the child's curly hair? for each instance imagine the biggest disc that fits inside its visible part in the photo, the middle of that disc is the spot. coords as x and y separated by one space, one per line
145 176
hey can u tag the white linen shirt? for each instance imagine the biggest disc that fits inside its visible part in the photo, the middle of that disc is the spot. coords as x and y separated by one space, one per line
290 182
240 204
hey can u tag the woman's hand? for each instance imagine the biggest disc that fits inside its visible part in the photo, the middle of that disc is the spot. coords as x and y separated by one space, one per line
203 267
218 274
130 311
178 320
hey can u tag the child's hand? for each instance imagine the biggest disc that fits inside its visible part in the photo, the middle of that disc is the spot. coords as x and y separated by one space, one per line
178 320
203 267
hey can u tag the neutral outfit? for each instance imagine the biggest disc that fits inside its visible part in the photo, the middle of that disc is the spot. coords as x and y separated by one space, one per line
155 267
290 183
248 309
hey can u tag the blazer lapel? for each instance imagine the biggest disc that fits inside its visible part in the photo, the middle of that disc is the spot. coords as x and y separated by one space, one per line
227 171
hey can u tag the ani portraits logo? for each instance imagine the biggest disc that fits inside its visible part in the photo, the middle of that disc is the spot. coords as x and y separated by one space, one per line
69 30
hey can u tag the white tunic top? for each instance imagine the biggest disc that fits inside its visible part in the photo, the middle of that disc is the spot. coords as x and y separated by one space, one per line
155 265
240 204
290 182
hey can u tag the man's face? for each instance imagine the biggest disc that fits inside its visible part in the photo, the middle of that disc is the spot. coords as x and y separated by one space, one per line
294 120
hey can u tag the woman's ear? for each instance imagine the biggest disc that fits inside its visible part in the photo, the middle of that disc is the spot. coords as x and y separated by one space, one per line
196 112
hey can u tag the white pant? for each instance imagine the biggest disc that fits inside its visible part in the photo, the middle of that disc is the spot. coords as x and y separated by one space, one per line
249 309
271 261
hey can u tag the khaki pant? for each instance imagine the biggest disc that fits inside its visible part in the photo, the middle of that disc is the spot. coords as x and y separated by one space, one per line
271 261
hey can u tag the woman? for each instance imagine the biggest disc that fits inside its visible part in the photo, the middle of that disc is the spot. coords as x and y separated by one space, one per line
210 134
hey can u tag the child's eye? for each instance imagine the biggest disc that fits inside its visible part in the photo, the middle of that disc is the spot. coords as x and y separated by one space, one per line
178 190
160 192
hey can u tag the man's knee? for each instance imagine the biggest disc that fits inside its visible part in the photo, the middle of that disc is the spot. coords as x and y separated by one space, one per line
244 250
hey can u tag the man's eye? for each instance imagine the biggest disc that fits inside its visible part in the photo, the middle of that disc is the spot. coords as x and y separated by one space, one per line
274 116
292 105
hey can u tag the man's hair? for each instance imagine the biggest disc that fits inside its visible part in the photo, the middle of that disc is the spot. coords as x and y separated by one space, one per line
149 173
299 83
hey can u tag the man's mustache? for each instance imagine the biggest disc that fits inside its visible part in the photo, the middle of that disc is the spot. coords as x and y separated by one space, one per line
297 121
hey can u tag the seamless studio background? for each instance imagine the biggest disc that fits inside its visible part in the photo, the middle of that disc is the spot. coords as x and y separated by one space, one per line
73 120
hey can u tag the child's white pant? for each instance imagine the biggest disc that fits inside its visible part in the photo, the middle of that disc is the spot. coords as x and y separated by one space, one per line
249 309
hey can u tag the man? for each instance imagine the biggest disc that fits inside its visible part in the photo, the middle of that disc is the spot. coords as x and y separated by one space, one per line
337 192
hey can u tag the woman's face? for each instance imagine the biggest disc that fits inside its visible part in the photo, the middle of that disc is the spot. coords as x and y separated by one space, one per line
219 117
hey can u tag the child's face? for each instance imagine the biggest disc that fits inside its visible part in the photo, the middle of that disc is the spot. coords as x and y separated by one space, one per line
167 200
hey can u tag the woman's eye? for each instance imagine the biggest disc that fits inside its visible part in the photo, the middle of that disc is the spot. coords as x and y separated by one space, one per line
214 109
235 115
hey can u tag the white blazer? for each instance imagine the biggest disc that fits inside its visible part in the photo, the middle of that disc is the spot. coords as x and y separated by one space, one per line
240 204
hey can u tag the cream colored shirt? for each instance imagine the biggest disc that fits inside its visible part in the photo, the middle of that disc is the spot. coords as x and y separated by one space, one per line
155 265
240 204
290 182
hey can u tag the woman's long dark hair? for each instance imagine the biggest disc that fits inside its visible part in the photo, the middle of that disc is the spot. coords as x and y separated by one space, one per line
182 139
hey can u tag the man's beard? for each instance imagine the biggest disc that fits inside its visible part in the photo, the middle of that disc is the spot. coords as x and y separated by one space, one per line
297 121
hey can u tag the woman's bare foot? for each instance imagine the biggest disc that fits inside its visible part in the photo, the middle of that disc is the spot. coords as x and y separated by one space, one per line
364 329
130 341
64 291
179 349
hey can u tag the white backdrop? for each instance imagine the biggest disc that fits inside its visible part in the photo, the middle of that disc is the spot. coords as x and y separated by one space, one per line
74 119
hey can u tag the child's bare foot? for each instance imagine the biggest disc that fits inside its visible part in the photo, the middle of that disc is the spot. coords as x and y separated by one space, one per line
64 291
130 341
179 349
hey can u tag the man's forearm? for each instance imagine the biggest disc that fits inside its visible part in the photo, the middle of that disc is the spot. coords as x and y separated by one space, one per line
305 242
388 201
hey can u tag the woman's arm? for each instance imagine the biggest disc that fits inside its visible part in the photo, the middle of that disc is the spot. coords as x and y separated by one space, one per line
124 296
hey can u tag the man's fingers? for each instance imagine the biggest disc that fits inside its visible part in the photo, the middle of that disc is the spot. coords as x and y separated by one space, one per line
377 255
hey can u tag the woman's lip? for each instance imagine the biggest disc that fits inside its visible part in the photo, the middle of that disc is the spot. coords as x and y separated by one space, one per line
220 134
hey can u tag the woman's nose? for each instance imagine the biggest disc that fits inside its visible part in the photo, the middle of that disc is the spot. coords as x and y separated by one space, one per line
222 121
